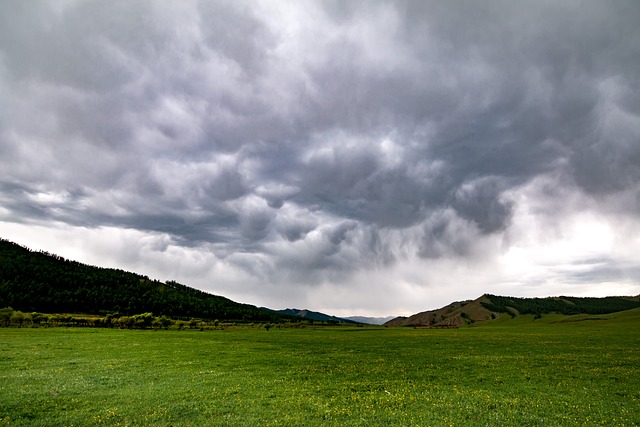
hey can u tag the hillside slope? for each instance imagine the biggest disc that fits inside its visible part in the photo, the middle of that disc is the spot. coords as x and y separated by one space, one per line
489 307
454 314
39 281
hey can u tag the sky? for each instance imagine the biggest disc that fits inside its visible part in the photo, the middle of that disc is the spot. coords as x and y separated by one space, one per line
356 158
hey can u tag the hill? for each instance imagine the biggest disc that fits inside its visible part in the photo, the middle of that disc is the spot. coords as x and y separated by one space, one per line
43 282
314 315
489 307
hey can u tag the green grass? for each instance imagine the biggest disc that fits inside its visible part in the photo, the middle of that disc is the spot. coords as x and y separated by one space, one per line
533 373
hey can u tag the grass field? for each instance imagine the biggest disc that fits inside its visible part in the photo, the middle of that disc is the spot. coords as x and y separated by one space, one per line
513 373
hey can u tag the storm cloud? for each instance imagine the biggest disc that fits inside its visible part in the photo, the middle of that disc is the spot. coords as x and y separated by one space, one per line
355 157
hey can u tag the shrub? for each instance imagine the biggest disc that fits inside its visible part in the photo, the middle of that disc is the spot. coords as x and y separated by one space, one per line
18 318
5 315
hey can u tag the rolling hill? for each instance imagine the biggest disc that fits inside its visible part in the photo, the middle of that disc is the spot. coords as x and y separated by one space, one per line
47 283
489 307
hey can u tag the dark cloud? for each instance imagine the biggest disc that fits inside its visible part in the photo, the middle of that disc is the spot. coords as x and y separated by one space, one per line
311 143
447 235
480 202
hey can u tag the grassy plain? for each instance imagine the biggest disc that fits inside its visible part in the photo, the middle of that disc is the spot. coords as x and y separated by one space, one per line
511 373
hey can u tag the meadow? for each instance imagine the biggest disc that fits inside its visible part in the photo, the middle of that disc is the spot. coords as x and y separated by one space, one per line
519 373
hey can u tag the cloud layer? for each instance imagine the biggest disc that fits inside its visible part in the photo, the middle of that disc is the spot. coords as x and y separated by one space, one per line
360 157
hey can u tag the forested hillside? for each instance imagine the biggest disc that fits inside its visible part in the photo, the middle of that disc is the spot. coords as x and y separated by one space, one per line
42 282
561 305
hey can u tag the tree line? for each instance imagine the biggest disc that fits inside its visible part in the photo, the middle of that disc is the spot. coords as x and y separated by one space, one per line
16 318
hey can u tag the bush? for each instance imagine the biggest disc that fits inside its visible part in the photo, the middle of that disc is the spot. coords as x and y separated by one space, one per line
5 315
19 318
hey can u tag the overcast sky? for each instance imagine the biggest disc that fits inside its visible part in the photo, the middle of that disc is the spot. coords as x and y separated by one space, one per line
356 158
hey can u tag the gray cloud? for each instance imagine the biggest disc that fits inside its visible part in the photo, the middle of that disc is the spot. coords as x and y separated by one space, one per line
479 201
308 144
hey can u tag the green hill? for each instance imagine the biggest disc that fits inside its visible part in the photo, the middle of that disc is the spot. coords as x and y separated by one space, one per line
560 305
47 283
500 308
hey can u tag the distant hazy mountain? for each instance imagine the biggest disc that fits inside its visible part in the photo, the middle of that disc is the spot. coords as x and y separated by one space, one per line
371 320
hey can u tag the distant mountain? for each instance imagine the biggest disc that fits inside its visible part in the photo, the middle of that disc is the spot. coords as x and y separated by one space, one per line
370 320
47 283
314 315
489 307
